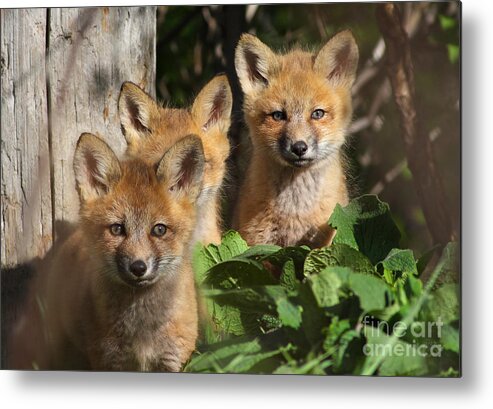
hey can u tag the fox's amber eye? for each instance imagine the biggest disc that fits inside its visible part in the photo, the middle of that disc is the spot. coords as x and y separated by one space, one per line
159 230
117 229
318 114
278 116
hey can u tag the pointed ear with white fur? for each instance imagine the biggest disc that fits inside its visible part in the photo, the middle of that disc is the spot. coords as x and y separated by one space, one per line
212 107
136 109
338 59
96 167
253 62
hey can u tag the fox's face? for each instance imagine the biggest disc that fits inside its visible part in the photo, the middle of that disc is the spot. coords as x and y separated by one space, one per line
138 218
150 129
297 105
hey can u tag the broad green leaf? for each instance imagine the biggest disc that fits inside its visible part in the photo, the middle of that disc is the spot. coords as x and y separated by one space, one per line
372 292
226 318
340 255
289 313
260 251
325 286
242 363
216 357
288 278
232 245
401 358
206 257
259 299
398 265
442 304
237 273
296 254
450 338
366 224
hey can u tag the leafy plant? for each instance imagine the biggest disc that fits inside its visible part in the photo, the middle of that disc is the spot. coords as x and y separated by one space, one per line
356 307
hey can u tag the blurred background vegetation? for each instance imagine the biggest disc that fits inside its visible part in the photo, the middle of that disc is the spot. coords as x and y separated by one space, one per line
196 43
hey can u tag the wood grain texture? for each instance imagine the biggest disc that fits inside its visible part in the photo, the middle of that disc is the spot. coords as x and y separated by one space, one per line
92 51
61 72
26 219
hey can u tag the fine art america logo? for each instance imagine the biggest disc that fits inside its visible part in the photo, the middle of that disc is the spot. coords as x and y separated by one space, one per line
424 338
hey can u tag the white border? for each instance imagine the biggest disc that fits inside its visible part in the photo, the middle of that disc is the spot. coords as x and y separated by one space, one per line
87 390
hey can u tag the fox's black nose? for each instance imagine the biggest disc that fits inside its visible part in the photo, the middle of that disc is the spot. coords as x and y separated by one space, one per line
299 148
138 268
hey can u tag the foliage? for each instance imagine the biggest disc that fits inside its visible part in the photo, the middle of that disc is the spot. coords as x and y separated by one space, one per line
356 307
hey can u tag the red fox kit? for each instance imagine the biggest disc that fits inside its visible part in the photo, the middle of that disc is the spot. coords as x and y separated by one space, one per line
119 293
297 107
150 129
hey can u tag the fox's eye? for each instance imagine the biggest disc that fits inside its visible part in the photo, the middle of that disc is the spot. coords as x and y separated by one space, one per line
117 229
318 114
159 230
278 116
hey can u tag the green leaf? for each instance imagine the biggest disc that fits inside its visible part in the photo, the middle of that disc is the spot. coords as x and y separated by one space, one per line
337 255
398 265
371 365
296 254
442 304
243 362
259 299
366 224
400 357
400 260
372 292
450 338
260 251
237 273
288 278
227 318
206 257
289 314
325 286
219 354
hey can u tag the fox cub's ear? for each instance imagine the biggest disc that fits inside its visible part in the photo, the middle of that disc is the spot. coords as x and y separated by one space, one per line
182 167
338 59
212 107
253 62
136 110
96 167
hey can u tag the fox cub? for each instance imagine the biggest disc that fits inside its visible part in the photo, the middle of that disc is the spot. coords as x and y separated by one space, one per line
150 128
119 293
297 107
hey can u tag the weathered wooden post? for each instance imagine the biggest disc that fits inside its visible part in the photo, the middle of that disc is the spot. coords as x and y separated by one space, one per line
61 72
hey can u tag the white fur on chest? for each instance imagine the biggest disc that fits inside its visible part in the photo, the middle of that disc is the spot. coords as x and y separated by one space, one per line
299 194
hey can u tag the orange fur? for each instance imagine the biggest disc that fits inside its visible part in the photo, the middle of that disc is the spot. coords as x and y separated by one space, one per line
87 309
287 197
150 129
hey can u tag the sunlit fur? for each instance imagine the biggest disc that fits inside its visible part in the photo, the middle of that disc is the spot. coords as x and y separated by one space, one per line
287 200
208 117
85 309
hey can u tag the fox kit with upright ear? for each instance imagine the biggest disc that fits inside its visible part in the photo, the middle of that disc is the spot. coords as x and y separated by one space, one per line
150 129
119 293
297 107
